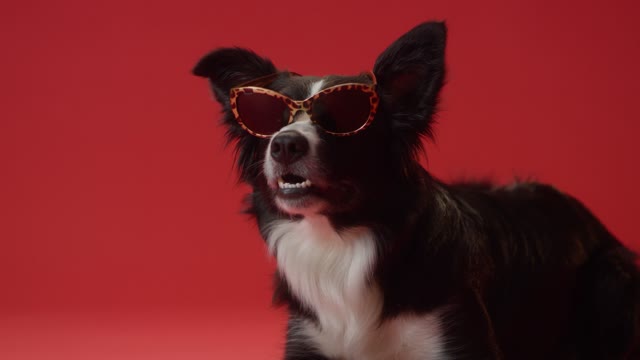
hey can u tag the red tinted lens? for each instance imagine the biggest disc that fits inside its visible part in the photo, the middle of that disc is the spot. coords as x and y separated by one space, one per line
341 111
262 113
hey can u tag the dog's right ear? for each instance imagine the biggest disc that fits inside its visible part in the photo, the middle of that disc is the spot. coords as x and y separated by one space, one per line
229 67
410 75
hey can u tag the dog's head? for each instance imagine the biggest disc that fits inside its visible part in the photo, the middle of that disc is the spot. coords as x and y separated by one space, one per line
331 144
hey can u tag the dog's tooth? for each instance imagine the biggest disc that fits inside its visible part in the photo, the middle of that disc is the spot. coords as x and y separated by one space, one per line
301 185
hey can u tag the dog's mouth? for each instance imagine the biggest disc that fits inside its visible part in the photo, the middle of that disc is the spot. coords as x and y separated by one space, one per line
292 186
295 194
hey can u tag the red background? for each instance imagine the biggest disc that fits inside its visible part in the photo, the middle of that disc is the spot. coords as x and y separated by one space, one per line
120 231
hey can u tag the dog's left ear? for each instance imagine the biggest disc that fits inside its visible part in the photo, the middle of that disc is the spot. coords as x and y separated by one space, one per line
229 67
410 74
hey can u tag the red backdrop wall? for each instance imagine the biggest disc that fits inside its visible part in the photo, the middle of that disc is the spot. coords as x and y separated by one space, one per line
117 196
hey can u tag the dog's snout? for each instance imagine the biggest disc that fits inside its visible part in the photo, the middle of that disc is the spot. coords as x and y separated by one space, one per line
288 147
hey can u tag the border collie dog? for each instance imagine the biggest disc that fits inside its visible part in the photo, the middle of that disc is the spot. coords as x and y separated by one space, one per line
377 259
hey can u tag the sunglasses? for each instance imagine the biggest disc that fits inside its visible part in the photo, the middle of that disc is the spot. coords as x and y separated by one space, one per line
341 110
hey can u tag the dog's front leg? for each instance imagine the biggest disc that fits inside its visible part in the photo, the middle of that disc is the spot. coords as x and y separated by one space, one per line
474 325
295 353
299 346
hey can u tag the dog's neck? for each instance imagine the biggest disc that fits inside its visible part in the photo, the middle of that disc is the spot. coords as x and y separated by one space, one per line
328 271
331 273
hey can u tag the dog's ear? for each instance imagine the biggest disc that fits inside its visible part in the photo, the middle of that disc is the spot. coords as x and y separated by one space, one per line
229 67
226 68
410 74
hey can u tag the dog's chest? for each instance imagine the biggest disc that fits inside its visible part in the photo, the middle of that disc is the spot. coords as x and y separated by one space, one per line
330 273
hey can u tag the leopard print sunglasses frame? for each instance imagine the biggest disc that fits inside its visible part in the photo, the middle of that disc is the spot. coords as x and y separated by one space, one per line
303 105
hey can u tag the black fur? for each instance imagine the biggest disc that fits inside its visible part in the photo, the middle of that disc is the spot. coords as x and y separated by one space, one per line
526 270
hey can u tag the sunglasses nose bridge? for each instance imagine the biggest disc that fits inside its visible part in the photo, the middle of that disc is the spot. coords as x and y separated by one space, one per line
296 107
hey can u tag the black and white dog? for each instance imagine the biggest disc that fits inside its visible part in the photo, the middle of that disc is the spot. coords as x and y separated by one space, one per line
377 259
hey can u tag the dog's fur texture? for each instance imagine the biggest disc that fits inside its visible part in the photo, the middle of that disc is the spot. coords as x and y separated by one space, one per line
380 260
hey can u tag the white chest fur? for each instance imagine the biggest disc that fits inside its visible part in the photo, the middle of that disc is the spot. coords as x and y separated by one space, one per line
330 272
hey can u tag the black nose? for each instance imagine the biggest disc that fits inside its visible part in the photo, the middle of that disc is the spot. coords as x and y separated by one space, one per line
289 146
